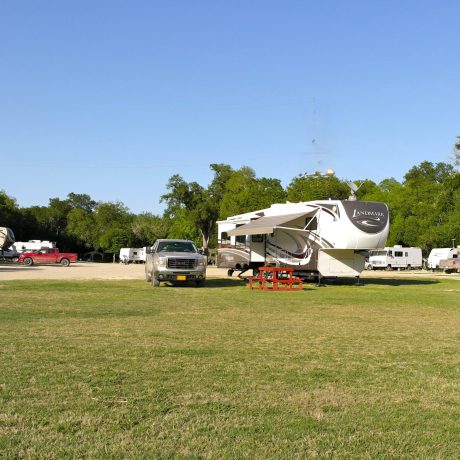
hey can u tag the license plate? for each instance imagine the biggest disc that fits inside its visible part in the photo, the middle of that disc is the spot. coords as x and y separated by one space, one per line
181 278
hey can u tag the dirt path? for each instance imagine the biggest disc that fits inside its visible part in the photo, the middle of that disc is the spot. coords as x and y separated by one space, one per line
97 271
83 271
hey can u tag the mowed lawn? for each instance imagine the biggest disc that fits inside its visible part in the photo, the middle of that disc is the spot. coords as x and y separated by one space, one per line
119 369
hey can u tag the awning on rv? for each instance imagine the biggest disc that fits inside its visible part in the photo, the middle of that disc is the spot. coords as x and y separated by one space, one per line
265 224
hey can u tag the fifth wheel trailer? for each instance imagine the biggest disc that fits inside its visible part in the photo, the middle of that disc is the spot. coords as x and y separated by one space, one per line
6 241
324 238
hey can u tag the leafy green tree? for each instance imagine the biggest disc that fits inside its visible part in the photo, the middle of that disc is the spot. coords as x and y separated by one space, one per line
82 201
147 227
317 187
112 227
193 201
244 193
81 225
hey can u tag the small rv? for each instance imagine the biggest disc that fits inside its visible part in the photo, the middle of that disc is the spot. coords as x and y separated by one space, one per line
325 238
132 255
438 254
395 257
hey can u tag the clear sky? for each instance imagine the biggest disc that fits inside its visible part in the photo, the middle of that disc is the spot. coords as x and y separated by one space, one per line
111 97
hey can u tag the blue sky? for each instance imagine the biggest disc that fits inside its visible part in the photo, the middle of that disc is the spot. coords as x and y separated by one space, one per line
111 98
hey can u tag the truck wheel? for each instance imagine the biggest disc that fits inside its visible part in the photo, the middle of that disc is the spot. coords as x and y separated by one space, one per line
28 261
230 272
65 262
155 282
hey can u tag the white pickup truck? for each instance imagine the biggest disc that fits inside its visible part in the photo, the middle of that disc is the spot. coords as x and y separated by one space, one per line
175 261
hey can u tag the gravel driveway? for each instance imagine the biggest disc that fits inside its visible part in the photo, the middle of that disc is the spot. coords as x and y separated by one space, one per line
108 271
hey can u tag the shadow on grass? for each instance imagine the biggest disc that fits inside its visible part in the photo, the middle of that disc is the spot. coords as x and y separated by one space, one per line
210 283
380 282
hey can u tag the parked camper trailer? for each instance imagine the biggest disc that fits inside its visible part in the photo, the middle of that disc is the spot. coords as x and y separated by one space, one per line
32 245
395 257
327 238
438 254
132 255
6 241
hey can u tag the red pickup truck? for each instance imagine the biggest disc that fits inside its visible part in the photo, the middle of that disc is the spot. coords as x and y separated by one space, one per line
47 256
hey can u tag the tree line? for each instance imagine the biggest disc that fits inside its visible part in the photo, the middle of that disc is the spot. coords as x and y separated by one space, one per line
424 208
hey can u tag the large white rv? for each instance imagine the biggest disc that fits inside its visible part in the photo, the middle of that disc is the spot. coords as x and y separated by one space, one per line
395 257
438 254
326 238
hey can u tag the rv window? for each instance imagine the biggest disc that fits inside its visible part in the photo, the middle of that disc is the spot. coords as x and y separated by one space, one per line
390 253
407 254
454 256
241 239
398 254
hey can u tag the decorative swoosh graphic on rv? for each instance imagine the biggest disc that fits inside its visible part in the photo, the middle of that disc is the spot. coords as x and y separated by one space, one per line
369 222
295 255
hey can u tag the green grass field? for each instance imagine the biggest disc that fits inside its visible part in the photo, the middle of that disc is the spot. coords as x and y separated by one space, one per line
121 370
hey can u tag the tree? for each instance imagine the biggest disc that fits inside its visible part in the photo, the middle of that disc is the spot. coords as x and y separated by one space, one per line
147 227
193 201
81 225
317 187
81 200
245 193
112 226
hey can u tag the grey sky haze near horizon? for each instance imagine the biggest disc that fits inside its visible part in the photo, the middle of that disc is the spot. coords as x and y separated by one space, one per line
111 98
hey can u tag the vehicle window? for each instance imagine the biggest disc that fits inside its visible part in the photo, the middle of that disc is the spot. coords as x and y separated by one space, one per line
398 254
241 239
390 253
176 246
311 223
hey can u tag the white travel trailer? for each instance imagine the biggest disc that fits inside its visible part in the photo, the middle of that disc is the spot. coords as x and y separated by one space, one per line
326 238
438 254
393 257
32 245
130 255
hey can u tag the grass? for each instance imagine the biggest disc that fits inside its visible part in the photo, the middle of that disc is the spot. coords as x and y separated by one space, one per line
121 370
